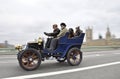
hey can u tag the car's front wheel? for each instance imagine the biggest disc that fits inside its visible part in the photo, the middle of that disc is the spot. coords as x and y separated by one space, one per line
30 59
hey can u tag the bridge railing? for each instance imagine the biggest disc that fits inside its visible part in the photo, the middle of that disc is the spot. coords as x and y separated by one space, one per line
7 51
99 48
12 51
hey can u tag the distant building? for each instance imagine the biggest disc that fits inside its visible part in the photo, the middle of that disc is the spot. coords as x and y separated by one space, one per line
1 45
89 34
6 45
107 41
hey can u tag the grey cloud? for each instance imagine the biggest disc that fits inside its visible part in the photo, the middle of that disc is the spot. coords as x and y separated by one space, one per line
22 20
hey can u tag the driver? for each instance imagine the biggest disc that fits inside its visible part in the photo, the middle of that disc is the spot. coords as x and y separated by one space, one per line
54 34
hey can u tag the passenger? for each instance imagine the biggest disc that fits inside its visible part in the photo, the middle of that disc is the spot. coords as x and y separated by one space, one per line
54 41
63 30
54 34
78 31
71 33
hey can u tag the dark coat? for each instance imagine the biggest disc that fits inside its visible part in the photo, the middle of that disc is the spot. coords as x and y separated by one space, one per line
78 32
54 34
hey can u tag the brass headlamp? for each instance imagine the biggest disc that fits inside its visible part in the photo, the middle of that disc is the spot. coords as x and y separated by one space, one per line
39 41
18 47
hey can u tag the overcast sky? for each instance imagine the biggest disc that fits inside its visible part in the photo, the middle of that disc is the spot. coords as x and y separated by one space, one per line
25 20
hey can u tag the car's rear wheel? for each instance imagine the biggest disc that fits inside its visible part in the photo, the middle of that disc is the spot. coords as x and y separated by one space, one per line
74 56
30 59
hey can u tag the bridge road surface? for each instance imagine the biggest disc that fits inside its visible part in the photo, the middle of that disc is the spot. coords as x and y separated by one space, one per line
95 65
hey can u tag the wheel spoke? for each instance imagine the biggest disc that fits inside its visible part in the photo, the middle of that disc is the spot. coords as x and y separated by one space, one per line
78 57
24 60
35 61
71 59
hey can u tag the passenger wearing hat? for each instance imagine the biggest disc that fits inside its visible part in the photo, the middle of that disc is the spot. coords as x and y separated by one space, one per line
78 31
63 30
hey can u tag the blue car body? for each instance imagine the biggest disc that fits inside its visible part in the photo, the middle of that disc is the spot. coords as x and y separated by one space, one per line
65 43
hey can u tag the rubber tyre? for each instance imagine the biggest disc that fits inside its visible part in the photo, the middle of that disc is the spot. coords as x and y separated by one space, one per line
71 59
31 51
19 54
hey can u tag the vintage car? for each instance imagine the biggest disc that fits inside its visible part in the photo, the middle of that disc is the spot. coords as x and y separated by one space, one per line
67 49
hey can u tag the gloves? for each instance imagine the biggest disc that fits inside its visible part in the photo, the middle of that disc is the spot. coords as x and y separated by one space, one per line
46 33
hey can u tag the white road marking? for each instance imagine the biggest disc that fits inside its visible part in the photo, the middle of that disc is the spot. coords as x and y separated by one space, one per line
117 53
63 72
98 55
94 55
